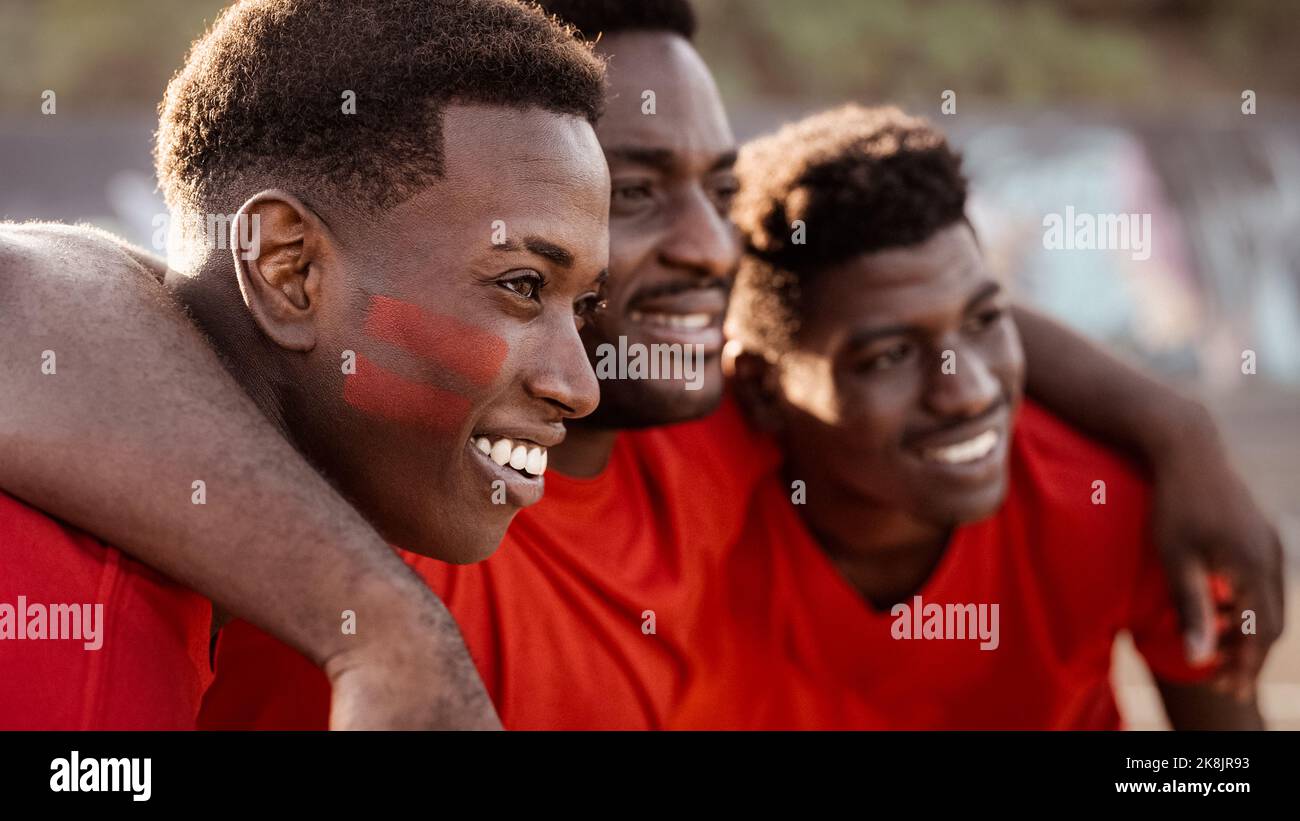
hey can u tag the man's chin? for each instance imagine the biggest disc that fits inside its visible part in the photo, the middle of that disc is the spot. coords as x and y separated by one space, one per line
955 509
636 404
466 545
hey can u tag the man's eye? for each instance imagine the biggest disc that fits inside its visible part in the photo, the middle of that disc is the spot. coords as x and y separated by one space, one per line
589 305
723 193
887 359
630 193
984 320
528 286
586 308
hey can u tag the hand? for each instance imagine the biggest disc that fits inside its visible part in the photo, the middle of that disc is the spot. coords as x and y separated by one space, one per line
1214 539
407 671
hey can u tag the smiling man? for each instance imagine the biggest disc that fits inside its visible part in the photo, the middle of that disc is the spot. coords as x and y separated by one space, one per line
882 355
406 306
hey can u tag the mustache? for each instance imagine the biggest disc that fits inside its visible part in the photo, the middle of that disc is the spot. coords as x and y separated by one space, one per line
992 412
680 286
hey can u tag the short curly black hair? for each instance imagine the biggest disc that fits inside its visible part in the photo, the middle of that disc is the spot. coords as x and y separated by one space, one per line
263 92
860 180
596 17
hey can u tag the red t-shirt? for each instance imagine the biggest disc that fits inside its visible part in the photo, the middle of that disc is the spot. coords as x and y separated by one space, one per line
90 639
1067 576
559 620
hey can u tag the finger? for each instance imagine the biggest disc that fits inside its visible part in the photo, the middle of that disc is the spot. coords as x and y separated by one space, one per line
1246 651
1258 608
1195 605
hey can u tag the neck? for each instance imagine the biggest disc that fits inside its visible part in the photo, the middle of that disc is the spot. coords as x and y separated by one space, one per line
885 553
217 315
585 451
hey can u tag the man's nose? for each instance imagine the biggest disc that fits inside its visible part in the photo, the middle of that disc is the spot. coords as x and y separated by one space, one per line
962 385
701 239
561 373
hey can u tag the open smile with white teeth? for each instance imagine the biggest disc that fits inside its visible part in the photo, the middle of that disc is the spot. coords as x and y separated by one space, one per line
682 322
977 447
526 458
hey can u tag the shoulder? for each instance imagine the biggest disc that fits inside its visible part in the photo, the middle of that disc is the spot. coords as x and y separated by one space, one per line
38 549
1057 461
48 249
1076 500
147 636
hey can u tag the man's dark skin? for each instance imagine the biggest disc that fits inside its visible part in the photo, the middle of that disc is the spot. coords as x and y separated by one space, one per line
426 490
858 400
671 177
279 321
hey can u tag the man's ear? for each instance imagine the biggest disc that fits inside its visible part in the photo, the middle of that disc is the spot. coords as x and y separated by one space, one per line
282 250
754 378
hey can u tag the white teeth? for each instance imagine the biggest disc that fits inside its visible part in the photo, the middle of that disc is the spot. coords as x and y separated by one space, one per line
682 322
975 448
519 457
694 321
534 463
501 452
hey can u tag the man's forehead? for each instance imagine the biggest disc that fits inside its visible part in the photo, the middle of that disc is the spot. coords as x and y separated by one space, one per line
508 173
946 272
662 97
500 155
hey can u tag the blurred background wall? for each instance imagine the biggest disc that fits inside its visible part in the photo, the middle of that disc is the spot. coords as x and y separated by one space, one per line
1103 106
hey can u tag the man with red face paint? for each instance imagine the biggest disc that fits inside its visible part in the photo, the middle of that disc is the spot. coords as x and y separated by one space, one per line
588 615
404 301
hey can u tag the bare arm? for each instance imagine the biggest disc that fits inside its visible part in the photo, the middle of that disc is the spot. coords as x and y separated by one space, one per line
137 410
1205 519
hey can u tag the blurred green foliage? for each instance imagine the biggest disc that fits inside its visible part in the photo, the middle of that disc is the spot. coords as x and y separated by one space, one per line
1123 53
104 55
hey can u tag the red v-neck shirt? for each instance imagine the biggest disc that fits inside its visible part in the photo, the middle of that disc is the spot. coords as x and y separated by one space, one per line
1068 576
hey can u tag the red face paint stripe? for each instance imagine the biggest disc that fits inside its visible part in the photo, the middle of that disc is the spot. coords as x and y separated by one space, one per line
445 341
381 393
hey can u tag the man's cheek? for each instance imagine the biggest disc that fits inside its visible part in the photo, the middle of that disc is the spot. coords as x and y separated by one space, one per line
444 342
457 363
382 394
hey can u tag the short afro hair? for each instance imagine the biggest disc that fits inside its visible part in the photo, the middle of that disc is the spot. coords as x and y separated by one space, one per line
262 93
596 17
860 180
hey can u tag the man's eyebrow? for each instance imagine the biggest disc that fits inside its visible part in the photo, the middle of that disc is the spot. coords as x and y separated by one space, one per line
869 335
663 159
541 247
660 159
863 338
724 161
989 289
